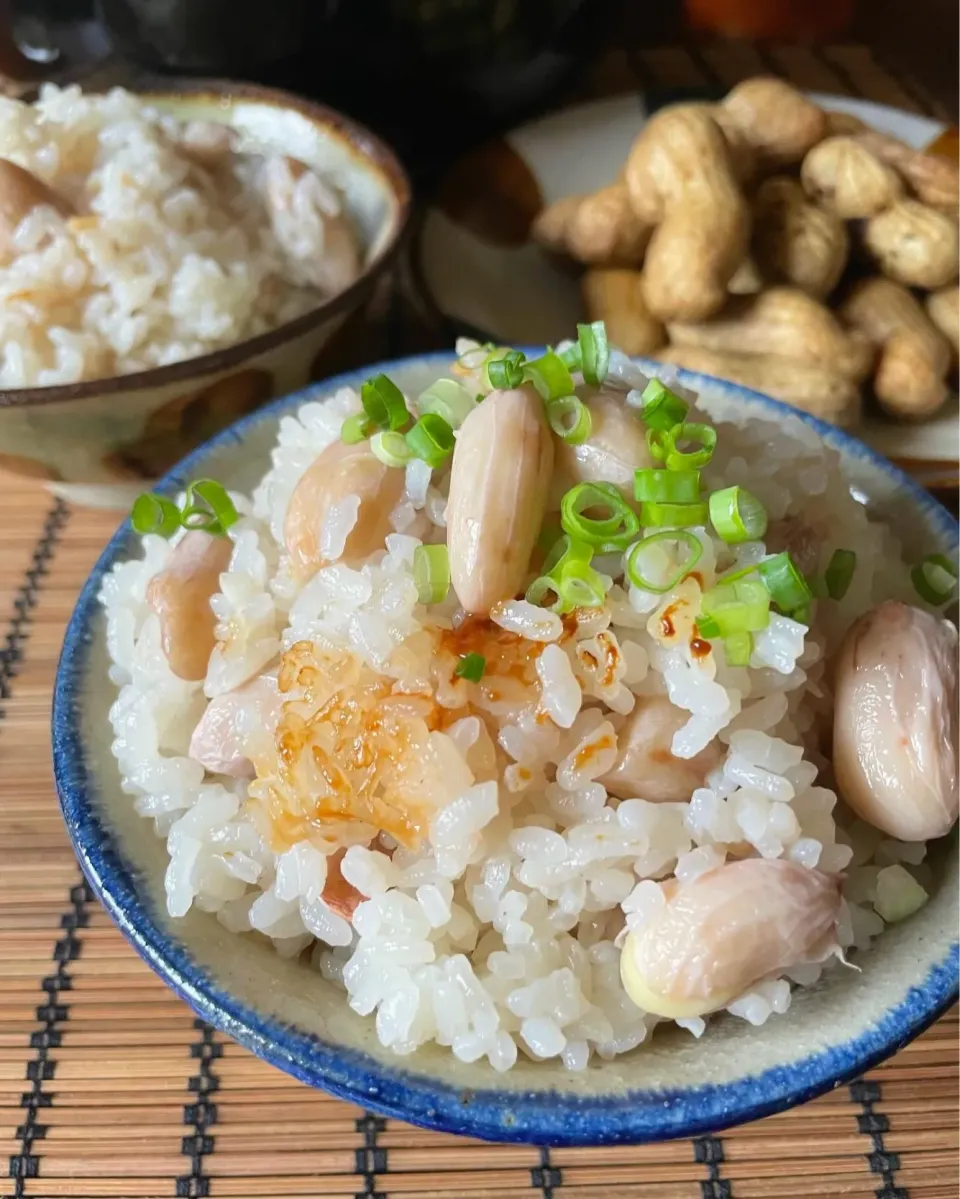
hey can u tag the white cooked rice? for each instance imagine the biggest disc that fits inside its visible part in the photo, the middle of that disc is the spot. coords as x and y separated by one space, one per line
165 256
500 933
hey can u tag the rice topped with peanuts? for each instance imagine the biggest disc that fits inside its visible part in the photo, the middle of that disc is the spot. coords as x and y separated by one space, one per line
520 707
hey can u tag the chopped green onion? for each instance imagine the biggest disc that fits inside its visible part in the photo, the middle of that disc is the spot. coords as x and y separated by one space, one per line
737 515
572 356
677 516
839 573
570 419
707 627
431 439
566 549
676 459
656 444
543 587
154 514
471 667
383 403
391 448
356 428
787 586
207 506
550 375
505 370
661 408
431 573
738 648
473 359
935 578
605 533
578 585
740 607
667 486
448 399
594 352
638 571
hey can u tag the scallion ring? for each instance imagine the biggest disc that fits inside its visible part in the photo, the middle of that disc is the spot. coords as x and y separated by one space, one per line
667 486
580 586
676 459
740 607
935 579
431 573
154 514
505 370
207 506
707 627
564 550
356 428
605 533
391 448
550 375
471 667
447 399
738 647
787 586
737 515
839 573
642 559
572 356
656 444
661 408
383 403
594 352
431 439
570 419
676 516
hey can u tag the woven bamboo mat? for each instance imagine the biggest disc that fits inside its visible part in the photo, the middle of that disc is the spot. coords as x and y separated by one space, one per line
110 1087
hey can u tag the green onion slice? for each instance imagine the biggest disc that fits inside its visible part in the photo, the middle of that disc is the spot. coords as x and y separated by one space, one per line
787 587
606 533
154 514
676 459
570 419
572 356
566 549
391 448
642 559
504 369
431 573
578 585
839 573
667 486
431 439
356 428
471 667
656 444
383 403
707 627
676 516
661 408
594 352
737 515
447 399
207 506
550 375
739 607
935 579
738 648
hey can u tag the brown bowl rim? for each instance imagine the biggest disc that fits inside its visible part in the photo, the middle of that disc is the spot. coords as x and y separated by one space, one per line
359 138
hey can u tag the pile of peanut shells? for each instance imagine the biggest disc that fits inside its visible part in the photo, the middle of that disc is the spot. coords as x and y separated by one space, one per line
789 249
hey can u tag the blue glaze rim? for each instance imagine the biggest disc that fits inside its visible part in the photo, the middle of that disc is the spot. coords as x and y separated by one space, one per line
541 1117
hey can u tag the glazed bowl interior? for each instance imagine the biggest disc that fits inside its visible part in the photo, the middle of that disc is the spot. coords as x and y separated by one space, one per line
287 1013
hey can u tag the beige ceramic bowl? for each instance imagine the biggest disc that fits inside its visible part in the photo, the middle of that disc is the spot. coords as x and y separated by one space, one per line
98 442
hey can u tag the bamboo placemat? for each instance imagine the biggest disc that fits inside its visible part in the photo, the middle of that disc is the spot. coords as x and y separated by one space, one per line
110 1087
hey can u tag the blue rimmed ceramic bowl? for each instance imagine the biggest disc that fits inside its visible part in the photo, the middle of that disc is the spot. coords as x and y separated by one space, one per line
286 1013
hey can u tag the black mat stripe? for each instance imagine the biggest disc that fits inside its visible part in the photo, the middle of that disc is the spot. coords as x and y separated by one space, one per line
546 1178
201 1114
874 1124
53 1011
708 1151
371 1158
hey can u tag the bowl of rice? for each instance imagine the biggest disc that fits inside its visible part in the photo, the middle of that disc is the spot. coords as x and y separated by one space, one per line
168 262
531 744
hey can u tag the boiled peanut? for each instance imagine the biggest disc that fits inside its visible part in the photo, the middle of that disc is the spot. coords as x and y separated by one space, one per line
914 244
843 176
499 480
615 450
616 298
180 595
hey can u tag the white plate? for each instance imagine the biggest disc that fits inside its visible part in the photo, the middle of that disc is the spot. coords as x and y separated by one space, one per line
509 290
